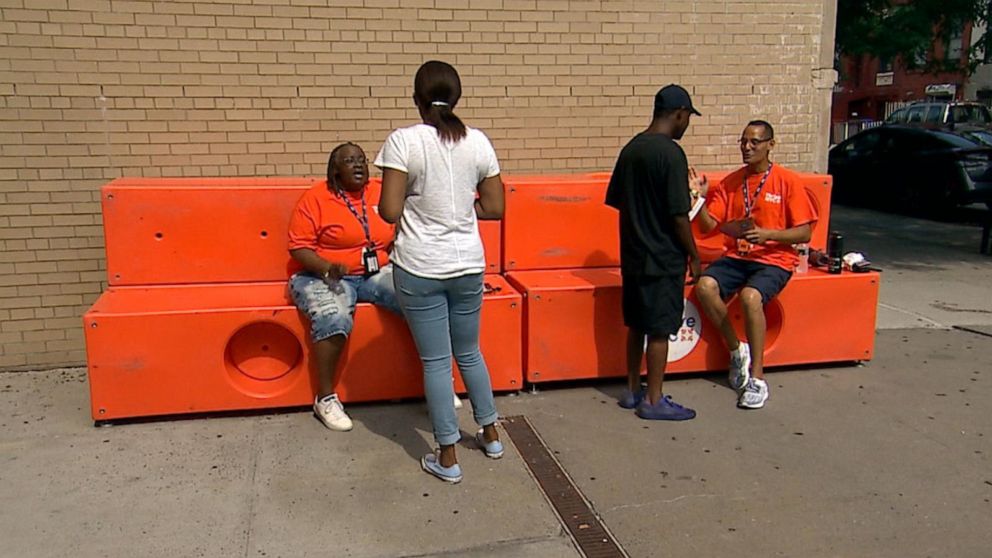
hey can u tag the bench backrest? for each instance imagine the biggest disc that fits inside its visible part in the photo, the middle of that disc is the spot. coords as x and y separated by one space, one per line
163 231
561 222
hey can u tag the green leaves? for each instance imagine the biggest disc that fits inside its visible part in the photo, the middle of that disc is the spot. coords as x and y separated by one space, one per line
892 30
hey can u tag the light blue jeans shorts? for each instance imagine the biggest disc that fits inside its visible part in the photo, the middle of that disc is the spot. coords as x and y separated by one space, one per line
331 307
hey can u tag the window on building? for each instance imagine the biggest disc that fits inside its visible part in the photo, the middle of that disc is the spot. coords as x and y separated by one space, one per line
884 64
955 46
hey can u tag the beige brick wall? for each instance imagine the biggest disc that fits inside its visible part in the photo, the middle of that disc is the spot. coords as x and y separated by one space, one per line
91 90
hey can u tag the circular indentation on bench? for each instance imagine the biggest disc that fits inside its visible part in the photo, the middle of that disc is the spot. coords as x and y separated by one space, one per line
263 359
774 316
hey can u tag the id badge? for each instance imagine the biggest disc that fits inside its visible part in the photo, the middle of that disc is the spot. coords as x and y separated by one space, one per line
743 247
370 260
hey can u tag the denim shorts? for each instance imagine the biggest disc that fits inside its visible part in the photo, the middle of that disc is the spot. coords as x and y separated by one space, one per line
733 274
331 307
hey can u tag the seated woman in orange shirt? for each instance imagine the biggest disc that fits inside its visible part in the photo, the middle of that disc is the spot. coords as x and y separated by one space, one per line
337 236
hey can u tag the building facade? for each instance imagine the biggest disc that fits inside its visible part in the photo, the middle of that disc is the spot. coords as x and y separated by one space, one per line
870 89
92 90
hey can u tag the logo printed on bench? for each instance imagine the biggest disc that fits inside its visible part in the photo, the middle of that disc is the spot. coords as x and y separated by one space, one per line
687 337
682 342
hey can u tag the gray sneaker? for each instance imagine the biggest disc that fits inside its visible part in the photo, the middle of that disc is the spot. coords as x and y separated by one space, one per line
740 367
754 395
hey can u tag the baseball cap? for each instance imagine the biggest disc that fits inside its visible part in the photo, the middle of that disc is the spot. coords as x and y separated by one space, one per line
672 97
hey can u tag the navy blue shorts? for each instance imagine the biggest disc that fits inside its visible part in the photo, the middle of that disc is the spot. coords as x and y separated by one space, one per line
732 275
653 305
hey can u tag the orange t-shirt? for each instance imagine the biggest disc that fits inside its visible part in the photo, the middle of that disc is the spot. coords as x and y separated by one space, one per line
783 203
323 223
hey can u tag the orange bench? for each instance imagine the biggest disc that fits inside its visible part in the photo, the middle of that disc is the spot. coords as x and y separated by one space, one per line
561 249
171 349
192 326
575 325
197 316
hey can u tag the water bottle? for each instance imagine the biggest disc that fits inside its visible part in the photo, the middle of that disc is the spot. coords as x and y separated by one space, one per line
835 253
802 250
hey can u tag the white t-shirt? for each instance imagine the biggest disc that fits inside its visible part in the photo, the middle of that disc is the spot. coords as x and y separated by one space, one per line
438 233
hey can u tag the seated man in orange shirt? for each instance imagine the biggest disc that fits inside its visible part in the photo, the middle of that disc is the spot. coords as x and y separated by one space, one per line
762 209
337 236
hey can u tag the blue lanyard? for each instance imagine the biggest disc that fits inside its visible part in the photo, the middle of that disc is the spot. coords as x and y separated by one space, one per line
748 204
363 219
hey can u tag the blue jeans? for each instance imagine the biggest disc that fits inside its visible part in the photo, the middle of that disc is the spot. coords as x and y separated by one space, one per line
331 308
443 315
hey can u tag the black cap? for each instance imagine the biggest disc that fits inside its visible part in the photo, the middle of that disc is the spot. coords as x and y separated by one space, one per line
671 97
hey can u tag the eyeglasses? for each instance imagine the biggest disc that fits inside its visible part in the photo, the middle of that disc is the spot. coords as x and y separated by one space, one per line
753 142
353 160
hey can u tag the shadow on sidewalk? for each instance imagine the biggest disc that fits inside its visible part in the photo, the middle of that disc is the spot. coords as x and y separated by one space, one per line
406 425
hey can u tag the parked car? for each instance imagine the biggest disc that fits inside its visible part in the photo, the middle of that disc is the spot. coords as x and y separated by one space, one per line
912 169
941 114
980 136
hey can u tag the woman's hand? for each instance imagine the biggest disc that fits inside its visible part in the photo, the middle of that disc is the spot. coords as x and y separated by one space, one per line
329 271
334 272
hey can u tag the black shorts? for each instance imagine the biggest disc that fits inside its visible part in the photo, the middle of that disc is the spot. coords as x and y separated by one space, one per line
732 274
653 305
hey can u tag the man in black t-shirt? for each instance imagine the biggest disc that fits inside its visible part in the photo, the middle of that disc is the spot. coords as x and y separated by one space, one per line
650 188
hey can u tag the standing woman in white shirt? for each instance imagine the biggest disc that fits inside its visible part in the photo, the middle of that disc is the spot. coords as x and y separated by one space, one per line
439 178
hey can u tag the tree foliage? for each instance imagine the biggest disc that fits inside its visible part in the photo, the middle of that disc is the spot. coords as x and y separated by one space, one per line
907 30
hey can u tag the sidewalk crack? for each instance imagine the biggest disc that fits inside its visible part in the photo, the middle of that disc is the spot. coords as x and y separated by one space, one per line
930 322
251 493
653 502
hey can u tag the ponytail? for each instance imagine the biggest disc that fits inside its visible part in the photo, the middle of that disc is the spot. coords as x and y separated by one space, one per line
449 126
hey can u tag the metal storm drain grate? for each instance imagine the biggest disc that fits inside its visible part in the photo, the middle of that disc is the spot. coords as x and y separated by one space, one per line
589 533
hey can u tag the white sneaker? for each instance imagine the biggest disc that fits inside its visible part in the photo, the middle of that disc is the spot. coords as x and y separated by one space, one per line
754 395
740 367
458 402
330 412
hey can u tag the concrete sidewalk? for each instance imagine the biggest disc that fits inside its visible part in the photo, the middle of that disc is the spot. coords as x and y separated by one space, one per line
886 459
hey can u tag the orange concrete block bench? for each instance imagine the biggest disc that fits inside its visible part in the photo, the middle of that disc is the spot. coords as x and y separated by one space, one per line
197 317
561 250
162 350
575 325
